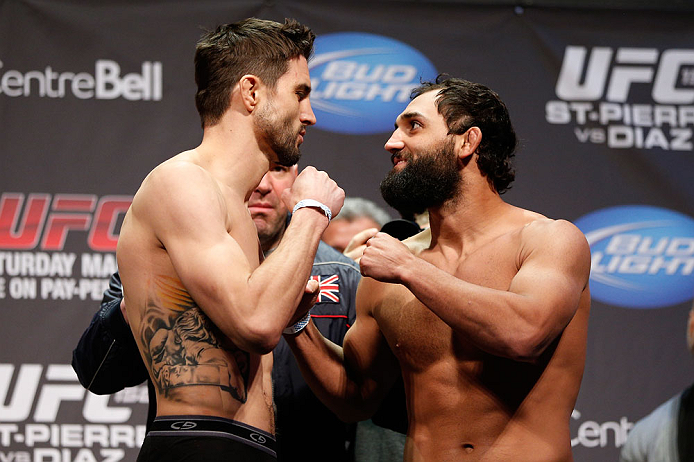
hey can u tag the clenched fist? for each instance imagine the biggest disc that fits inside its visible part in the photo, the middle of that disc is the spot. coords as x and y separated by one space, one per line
385 258
316 185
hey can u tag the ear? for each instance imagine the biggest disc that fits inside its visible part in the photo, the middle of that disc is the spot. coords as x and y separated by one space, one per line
469 142
249 87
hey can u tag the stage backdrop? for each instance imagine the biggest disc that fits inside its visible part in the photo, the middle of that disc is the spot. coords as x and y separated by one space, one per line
95 94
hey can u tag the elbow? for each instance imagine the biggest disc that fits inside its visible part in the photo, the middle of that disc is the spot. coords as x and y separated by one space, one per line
523 355
251 333
260 338
526 348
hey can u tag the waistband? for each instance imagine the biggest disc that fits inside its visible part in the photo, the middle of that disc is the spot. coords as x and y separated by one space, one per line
202 425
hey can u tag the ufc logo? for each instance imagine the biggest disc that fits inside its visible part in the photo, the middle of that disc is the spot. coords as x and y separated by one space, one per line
68 212
60 385
584 77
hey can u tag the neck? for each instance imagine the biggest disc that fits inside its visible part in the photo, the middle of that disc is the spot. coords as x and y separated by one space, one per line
230 152
467 216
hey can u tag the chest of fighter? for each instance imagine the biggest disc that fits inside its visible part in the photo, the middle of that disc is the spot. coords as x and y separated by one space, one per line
416 335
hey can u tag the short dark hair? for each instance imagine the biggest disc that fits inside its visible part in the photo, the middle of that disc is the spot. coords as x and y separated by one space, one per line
464 104
252 46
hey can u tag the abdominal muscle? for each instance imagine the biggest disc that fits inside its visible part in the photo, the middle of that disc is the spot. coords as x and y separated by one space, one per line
454 417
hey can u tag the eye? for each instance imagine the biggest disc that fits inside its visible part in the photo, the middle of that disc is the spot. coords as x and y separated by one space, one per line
415 124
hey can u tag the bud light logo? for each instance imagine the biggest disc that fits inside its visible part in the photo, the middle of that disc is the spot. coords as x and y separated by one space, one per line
642 256
361 82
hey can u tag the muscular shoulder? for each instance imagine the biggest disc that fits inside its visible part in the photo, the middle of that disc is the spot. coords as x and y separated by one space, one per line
556 240
546 232
178 191
175 176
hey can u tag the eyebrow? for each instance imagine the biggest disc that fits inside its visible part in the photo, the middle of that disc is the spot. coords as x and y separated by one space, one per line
408 116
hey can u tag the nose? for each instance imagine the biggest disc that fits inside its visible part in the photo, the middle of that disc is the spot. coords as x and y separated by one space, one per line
307 115
394 143
265 185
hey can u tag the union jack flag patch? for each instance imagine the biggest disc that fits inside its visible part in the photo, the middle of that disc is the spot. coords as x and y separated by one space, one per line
329 288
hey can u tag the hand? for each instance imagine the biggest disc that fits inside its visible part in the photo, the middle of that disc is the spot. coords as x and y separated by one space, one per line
384 258
357 244
308 299
316 185
122 310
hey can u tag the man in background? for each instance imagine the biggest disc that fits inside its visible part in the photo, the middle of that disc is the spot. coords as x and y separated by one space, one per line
667 433
299 412
358 220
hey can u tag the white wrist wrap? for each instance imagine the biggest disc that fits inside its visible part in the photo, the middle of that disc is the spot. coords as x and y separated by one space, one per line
314 203
298 326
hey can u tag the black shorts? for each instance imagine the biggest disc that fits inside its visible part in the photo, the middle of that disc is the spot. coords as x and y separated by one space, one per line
206 439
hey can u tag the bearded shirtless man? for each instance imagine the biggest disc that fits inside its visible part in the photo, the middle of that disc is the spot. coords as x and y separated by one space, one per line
485 314
203 310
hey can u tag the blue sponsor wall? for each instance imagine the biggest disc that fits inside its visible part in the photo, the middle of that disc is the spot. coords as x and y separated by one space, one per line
95 94
641 256
360 82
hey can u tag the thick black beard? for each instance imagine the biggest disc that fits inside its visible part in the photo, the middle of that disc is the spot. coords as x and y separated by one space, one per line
427 181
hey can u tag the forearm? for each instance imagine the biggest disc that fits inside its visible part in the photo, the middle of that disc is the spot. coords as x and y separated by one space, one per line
499 322
279 283
252 306
323 367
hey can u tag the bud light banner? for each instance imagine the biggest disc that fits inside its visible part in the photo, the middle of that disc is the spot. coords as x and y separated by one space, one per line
361 81
642 257
93 95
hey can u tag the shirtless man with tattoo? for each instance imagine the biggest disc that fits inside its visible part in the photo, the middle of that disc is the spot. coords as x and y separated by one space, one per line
204 311
485 314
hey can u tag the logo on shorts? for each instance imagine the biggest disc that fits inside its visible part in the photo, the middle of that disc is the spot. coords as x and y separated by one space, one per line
258 438
642 256
361 82
183 425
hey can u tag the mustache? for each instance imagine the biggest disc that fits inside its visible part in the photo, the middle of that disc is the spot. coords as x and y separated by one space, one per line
400 154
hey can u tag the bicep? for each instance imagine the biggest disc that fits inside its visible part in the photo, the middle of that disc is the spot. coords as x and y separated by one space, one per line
554 273
214 271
